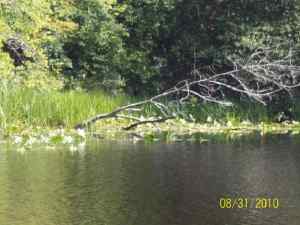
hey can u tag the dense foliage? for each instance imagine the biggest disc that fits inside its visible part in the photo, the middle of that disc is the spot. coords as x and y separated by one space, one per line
140 46
177 36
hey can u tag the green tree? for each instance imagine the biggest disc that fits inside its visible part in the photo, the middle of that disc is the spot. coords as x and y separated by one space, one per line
96 48
39 26
175 36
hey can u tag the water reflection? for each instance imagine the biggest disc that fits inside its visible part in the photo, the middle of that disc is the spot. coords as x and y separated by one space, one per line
117 184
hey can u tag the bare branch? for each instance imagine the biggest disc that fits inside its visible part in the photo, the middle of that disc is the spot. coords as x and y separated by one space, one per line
260 77
159 120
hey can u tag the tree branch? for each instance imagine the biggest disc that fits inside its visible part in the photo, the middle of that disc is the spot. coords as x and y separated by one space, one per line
269 74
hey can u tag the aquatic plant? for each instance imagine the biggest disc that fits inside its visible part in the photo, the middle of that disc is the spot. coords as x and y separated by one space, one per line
24 107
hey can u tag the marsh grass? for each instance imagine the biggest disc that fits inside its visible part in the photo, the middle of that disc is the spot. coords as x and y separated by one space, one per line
30 107
25 107
238 113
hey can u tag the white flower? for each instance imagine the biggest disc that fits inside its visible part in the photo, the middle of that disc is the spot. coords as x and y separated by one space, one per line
229 124
73 148
45 139
67 140
246 122
209 119
81 132
18 139
217 124
58 132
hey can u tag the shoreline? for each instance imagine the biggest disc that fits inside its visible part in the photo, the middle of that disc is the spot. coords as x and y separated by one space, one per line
176 130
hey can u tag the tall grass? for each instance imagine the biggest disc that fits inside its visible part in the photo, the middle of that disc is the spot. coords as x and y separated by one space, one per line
31 107
244 111
239 112
253 112
52 108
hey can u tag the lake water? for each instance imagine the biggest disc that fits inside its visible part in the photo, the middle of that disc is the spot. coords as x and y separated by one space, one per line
112 183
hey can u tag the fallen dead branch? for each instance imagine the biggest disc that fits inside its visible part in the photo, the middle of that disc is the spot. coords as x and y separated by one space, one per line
158 120
260 77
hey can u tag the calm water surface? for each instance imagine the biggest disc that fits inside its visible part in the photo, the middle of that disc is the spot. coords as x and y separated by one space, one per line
151 184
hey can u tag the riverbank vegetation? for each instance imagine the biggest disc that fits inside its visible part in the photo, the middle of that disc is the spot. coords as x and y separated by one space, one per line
25 107
27 112
62 62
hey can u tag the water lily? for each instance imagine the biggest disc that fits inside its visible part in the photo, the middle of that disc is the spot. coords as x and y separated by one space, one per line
295 132
246 122
229 124
18 139
67 140
58 132
217 124
209 119
81 133
73 148
45 139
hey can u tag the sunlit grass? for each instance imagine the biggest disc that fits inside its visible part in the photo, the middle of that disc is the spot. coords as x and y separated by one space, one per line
238 113
31 107
26 107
